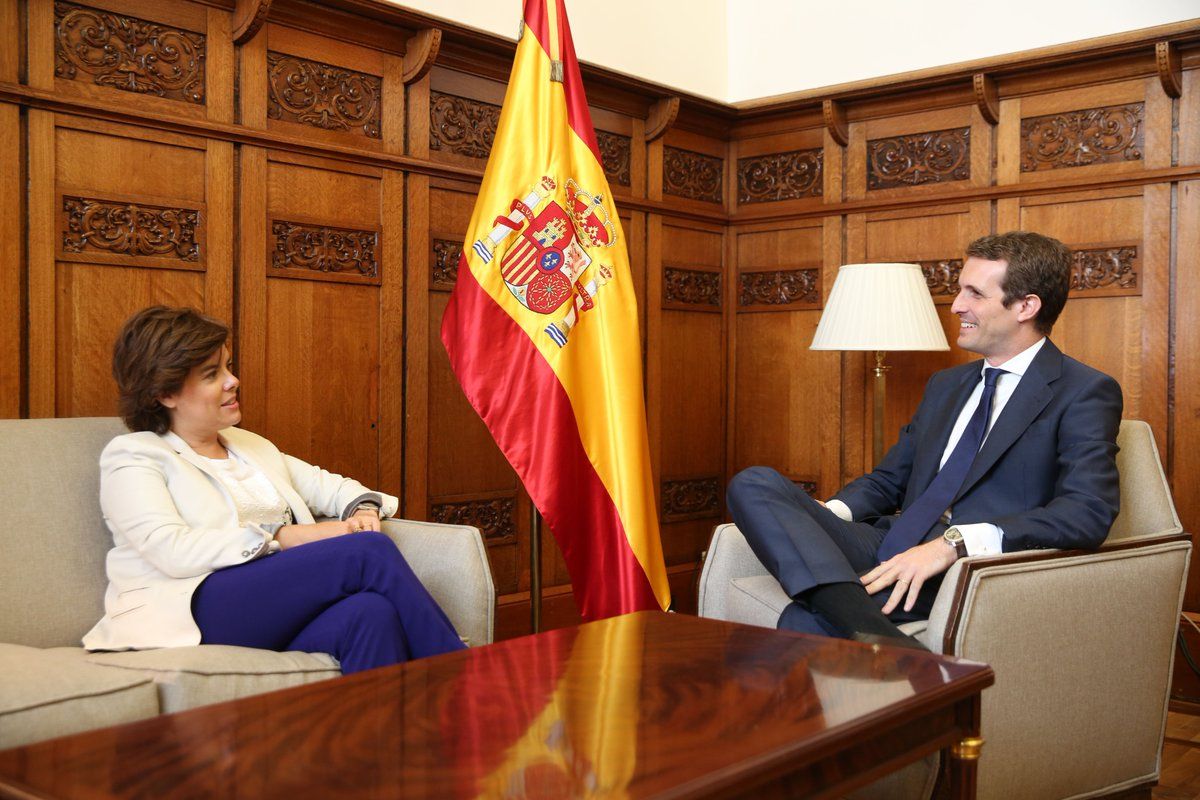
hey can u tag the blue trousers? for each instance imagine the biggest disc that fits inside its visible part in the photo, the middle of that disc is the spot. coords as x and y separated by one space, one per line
804 545
353 597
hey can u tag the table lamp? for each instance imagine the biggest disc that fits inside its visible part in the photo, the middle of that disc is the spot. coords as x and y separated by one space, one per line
879 307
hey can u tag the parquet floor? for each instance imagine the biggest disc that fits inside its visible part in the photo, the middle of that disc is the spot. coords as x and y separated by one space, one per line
1181 759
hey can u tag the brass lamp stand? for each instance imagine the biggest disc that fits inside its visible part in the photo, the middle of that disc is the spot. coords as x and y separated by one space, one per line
880 371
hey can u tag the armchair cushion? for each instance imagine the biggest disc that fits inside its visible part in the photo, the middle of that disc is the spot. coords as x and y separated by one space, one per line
44 694
187 677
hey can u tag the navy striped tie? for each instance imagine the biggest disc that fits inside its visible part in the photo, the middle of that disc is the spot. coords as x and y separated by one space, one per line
916 520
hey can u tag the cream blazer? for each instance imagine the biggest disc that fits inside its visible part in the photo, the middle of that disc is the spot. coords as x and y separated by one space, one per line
173 523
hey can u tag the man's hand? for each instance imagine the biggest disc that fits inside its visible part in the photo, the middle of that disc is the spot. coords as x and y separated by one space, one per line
908 571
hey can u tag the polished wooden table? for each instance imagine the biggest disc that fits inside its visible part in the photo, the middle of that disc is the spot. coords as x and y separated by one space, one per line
645 705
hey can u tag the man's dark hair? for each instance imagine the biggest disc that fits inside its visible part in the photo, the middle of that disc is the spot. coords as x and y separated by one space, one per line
154 352
1037 264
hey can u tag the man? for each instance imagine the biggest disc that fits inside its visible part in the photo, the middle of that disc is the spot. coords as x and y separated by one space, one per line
1013 452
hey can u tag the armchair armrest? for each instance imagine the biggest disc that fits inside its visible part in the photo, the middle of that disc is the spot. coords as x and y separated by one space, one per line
1081 643
452 563
729 557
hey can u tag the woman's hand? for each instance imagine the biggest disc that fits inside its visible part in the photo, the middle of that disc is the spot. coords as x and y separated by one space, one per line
366 518
295 535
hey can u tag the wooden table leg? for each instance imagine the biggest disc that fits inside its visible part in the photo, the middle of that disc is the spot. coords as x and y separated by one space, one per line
964 754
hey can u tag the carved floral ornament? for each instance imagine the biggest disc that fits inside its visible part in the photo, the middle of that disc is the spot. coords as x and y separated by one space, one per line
919 158
462 126
695 176
780 287
128 53
697 497
1081 138
322 95
324 249
444 271
692 287
129 229
615 153
781 176
493 517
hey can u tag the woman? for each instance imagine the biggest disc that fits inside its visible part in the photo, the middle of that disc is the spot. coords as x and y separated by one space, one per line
213 527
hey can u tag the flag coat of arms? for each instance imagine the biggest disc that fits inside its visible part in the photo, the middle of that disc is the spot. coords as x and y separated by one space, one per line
542 329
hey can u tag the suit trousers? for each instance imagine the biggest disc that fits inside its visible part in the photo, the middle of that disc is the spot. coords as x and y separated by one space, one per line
352 596
805 545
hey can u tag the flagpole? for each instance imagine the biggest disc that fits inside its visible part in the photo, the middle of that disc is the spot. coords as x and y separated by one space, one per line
535 568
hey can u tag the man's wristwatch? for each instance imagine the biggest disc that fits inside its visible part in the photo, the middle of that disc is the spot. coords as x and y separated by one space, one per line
953 537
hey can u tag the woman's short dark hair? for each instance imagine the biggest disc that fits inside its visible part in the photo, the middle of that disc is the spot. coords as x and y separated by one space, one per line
154 352
1037 264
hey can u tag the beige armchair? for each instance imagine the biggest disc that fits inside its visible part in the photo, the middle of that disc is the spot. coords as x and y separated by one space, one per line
52 581
1081 642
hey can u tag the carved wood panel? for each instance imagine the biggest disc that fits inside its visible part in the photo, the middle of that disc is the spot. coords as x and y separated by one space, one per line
324 252
919 158
691 498
138 234
443 269
781 176
124 52
615 156
461 125
692 288
691 175
1095 272
1084 137
494 516
779 289
942 278
323 95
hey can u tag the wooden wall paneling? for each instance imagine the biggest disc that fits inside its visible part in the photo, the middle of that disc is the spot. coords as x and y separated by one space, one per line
418 349
1102 331
693 174
219 230
1159 125
1189 109
464 111
330 91
391 334
614 136
10 41
782 388
1058 134
112 260
654 342
1155 282
916 155
1185 449
174 82
221 71
252 254
691 357
40 254
782 172
252 83
12 208
323 312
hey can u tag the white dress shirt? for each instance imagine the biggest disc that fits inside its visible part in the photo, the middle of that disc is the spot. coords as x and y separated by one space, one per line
981 538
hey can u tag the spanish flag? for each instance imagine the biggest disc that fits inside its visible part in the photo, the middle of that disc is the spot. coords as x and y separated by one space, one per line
542 329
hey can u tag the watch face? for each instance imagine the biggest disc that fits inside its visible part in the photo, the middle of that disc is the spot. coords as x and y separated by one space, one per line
952 535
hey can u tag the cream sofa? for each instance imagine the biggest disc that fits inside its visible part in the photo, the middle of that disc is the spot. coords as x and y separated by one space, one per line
1081 643
52 582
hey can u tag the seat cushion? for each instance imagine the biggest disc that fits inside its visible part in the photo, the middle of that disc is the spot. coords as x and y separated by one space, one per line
759 600
49 693
187 677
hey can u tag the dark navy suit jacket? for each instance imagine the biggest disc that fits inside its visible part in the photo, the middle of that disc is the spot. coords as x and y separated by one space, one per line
1046 474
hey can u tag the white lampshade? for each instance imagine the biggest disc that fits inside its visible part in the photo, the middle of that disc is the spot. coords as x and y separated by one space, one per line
879 307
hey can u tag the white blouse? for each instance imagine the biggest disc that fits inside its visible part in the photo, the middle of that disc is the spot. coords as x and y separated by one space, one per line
256 499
